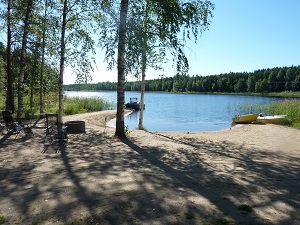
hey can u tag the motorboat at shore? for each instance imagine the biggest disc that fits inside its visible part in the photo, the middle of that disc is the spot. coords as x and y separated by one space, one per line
276 119
249 118
133 104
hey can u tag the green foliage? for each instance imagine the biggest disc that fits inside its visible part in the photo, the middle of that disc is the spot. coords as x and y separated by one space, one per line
291 108
50 102
2 102
71 105
2 75
80 105
257 82
153 28
73 108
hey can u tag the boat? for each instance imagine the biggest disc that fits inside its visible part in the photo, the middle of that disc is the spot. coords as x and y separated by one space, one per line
133 104
276 119
249 118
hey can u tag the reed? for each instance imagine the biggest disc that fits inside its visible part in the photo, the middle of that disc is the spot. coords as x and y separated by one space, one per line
81 105
289 107
247 108
72 106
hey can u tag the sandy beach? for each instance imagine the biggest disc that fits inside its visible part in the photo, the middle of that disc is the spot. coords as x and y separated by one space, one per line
248 174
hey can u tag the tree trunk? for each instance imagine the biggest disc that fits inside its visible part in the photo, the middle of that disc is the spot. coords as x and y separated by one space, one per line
141 126
144 67
43 61
22 61
32 77
10 93
61 72
120 129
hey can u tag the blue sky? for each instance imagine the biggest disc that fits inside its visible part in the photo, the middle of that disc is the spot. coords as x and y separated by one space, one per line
244 36
249 35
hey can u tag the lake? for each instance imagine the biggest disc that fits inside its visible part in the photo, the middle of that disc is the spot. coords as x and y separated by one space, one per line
184 112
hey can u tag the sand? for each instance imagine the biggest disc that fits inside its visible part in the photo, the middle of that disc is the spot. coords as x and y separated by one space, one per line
248 174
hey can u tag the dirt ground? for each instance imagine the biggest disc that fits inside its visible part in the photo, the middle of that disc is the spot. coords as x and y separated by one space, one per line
248 174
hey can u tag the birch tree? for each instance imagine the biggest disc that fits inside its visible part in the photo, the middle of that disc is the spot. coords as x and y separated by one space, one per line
120 131
152 29
72 24
44 28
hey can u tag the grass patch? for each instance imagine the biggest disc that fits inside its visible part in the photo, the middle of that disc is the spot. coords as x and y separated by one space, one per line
284 94
289 107
80 105
2 219
72 106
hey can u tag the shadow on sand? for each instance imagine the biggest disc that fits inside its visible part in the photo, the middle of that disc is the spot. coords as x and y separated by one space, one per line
99 179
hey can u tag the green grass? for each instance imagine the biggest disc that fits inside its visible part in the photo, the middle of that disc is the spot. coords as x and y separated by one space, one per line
80 105
289 107
72 106
285 94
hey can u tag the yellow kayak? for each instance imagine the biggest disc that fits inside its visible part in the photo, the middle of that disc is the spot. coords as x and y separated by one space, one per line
249 118
276 119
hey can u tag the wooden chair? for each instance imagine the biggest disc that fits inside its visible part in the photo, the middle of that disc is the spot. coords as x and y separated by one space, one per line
13 126
53 132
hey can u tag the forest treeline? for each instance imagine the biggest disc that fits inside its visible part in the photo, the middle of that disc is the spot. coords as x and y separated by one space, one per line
277 79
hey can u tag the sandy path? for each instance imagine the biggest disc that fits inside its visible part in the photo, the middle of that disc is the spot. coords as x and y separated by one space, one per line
152 178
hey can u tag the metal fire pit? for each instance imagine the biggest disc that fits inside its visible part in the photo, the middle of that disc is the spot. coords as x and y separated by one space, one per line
75 127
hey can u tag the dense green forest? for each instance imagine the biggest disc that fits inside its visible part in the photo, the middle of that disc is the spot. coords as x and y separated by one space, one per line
31 78
260 81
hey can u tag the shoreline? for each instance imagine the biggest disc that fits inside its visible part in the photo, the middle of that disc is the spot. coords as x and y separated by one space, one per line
255 134
111 123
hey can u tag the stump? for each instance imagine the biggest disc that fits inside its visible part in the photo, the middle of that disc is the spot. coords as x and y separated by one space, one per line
75 127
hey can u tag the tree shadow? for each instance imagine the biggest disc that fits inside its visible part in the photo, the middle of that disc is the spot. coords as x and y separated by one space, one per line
97 178
278 176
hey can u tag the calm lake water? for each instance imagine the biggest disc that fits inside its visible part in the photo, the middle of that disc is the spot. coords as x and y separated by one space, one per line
184 112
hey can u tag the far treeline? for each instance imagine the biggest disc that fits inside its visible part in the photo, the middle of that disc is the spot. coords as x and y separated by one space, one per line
260 81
